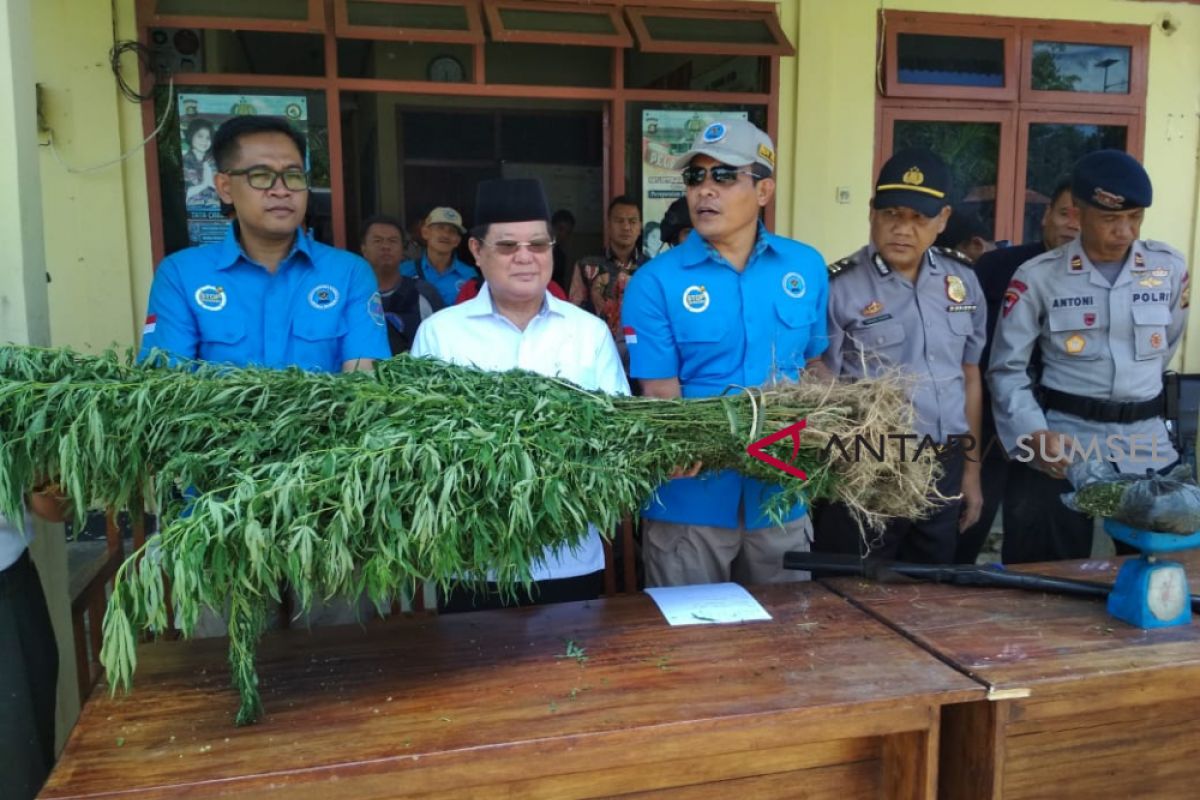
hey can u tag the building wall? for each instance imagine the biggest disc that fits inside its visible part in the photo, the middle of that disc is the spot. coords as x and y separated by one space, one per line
98 242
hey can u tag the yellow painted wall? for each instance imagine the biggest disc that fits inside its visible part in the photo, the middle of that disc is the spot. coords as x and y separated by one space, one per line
87 239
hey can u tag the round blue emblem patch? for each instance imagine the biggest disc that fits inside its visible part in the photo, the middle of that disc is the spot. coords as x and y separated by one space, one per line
695 299
375 309
793 285
714 132
323 297
211 298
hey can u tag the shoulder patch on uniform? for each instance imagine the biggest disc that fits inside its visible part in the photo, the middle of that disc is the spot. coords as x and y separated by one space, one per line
840 266
957 255
1161 247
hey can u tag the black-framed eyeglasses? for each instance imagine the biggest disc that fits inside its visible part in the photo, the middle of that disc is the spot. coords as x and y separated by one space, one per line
259 177
507 247
721 174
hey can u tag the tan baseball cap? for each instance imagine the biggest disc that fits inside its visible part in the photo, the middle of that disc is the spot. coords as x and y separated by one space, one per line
446 216
735 142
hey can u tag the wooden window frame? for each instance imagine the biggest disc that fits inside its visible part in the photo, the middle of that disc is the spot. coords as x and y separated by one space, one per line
1021 107
1138 42
1134 140
313 23
501 33
615 97
1007 120
344 29
648 44
895 24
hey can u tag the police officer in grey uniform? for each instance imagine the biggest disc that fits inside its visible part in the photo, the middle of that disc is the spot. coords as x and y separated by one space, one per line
1107 311
901 303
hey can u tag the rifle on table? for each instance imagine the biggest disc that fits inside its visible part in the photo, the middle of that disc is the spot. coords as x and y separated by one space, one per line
987 575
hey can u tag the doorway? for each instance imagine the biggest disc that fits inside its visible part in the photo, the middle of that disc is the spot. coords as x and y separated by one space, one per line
406 155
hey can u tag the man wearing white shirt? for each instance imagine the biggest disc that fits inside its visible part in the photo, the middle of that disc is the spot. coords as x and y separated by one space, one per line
514 323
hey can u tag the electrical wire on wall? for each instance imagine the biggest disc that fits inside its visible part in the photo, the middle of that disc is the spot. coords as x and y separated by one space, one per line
145 63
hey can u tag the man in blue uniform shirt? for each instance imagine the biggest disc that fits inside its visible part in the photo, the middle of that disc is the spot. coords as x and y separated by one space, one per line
442 232
733 305
268 295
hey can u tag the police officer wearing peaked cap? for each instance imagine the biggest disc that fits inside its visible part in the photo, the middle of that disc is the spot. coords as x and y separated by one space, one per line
1106 311
901 303
732 305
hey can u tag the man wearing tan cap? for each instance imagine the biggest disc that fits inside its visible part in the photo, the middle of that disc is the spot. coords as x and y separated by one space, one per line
732 306
439 264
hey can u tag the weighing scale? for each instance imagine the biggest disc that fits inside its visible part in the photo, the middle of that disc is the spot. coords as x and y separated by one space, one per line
1151 592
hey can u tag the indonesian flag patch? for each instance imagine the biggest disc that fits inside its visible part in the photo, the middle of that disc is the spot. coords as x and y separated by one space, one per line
630 335
151 324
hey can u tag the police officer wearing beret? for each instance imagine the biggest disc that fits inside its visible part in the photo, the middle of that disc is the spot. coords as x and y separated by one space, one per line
733 305
1106 311
900 303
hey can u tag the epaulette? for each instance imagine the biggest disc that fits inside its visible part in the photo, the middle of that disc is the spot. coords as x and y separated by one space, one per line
1162 247
957 255
840 266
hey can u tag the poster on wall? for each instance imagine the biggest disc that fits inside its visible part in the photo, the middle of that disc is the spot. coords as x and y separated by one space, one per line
199 117
666 135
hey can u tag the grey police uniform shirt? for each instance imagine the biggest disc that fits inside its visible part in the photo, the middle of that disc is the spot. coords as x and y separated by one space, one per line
1100 341
879 321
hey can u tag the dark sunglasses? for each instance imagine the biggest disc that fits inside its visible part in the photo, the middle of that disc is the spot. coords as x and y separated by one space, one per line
507 248
721 174
294 180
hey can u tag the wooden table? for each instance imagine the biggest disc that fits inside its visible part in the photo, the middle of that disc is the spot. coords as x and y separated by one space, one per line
821 701
1081 704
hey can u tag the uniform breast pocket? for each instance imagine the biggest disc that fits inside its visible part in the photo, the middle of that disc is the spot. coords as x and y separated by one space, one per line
317 340
701 329
792 332
880 343
1074 334
1150 331
222 338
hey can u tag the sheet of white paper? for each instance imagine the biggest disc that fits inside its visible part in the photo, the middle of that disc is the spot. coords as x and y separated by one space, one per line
706 604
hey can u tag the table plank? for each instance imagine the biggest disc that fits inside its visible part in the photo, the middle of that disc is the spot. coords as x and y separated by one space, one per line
490 698
1083 705
1013 639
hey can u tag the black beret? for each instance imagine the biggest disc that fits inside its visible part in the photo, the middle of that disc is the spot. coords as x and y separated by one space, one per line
913 178
510 200
1112 180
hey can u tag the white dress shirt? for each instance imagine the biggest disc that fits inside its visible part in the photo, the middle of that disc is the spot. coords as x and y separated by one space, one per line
562 341
13 541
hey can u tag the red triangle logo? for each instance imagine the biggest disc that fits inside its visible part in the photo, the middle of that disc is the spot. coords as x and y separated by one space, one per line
758 448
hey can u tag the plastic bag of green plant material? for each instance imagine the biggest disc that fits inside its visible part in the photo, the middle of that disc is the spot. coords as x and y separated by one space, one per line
1166 503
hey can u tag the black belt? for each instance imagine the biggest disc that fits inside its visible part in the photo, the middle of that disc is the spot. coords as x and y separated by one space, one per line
1102 410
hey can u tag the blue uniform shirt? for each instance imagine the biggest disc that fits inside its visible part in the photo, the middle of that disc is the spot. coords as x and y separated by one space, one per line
689 314
320 308
448 283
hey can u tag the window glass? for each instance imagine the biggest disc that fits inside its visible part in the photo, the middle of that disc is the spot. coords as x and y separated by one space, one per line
725 31
408 15
695 72
1053 149
970 149
950 60
520 19
1068 67
247 9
